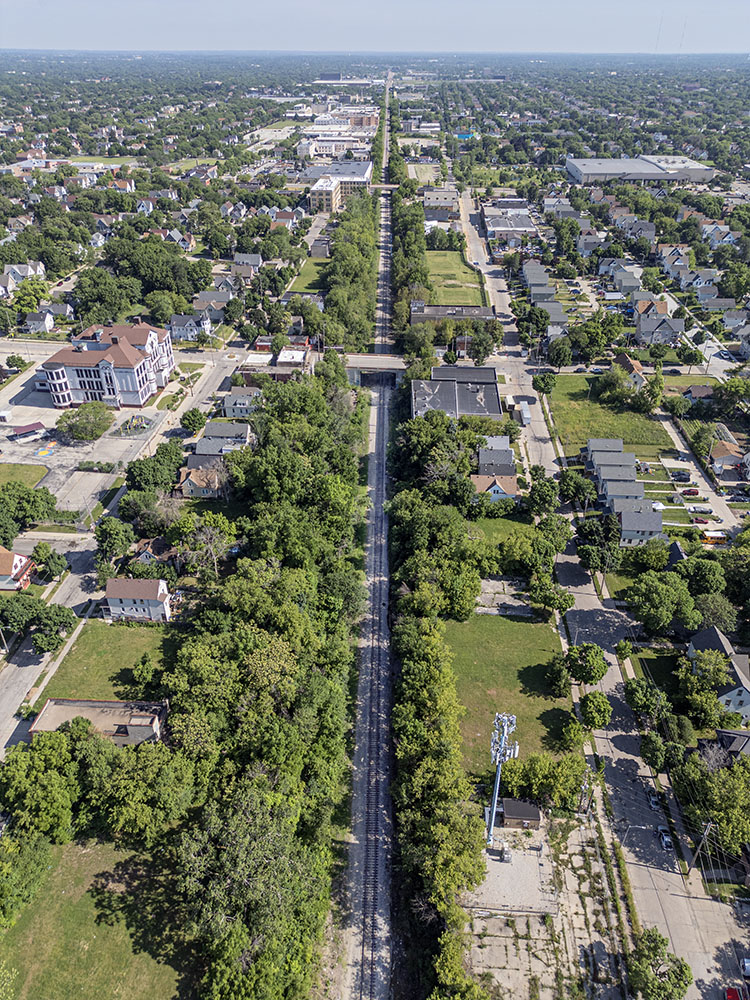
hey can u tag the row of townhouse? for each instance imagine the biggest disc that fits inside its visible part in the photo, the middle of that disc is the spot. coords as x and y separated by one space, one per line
614 473
542 294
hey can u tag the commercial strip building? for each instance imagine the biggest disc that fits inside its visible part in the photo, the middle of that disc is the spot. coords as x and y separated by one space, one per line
639 168
116 365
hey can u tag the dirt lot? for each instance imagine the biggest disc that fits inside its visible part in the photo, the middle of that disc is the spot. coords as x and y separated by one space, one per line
542 924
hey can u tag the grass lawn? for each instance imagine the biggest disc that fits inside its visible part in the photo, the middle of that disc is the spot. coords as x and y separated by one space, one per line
454 283
98 928
186 367
15 472
98 665
500 666
684 381
659 666
618 583
424 173
98 158
308 280
578 418
496 529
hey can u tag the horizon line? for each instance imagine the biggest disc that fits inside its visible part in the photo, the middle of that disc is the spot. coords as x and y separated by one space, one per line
367 52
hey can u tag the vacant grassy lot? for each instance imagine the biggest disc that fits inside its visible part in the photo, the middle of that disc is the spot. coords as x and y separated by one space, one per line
685 381
659 667
496 529
500 667
579 417
423 173
308 280
15 472
454 282
99 663
98 928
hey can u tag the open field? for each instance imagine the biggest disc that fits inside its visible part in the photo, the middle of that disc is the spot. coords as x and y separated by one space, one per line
98 928
99 663
658 666
685 381
500 667
423 173
578 417
454 282
308 280
17 472
115 161
496 529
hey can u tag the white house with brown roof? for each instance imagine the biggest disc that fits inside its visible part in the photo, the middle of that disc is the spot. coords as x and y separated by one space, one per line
137 600
496 487
118 365
15 570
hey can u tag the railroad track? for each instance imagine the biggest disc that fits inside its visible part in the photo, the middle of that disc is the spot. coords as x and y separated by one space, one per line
375 943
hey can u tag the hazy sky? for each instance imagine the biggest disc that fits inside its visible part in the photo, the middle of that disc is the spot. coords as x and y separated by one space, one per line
646 26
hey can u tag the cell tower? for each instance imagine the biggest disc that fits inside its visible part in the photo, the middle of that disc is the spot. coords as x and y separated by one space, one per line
501 751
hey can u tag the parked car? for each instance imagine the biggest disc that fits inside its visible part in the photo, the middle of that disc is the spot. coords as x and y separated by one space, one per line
657 505
596 371
664 839
700 520
653 799
690 493
672 371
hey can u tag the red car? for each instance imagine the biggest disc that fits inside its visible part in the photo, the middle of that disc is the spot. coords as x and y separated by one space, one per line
690 493
700 520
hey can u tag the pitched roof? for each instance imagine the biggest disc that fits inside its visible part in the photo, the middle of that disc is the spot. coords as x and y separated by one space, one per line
508 484
146 590
712 638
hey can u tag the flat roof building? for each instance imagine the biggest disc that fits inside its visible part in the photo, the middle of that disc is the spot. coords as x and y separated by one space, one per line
640 168
125 723
457 391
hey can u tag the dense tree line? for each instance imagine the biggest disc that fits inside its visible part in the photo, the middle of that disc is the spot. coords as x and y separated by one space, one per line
350 278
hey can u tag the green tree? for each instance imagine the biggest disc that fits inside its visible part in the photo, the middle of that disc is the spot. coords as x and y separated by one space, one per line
653 750
596 710
113 537
544 383
549 595
586 663
654 973
193 420
543 497
717 611
575 487
481 346
559 353
658 599
557 677
573 735
646 698
24 860
87 423
56 564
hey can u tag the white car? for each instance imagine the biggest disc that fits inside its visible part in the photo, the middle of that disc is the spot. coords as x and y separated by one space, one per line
657 505
664 839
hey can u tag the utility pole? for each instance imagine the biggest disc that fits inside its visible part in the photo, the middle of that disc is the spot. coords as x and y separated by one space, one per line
706 830
501 751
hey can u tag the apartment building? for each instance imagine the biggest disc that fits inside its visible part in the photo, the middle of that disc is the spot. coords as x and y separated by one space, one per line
117 365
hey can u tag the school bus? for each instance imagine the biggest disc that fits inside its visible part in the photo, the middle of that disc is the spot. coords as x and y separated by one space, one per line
714 537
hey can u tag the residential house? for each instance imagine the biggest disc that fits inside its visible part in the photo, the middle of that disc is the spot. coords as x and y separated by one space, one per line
734 319
241 401
124 723
7 285
725 455
496 462
597 445
205 484
183 327
634 370
253 260
145 206
137 600
735 695
698 394
743 335
496 487
614 472
639 527
625 489
22 272
659 330
16 570
39 322
157 552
